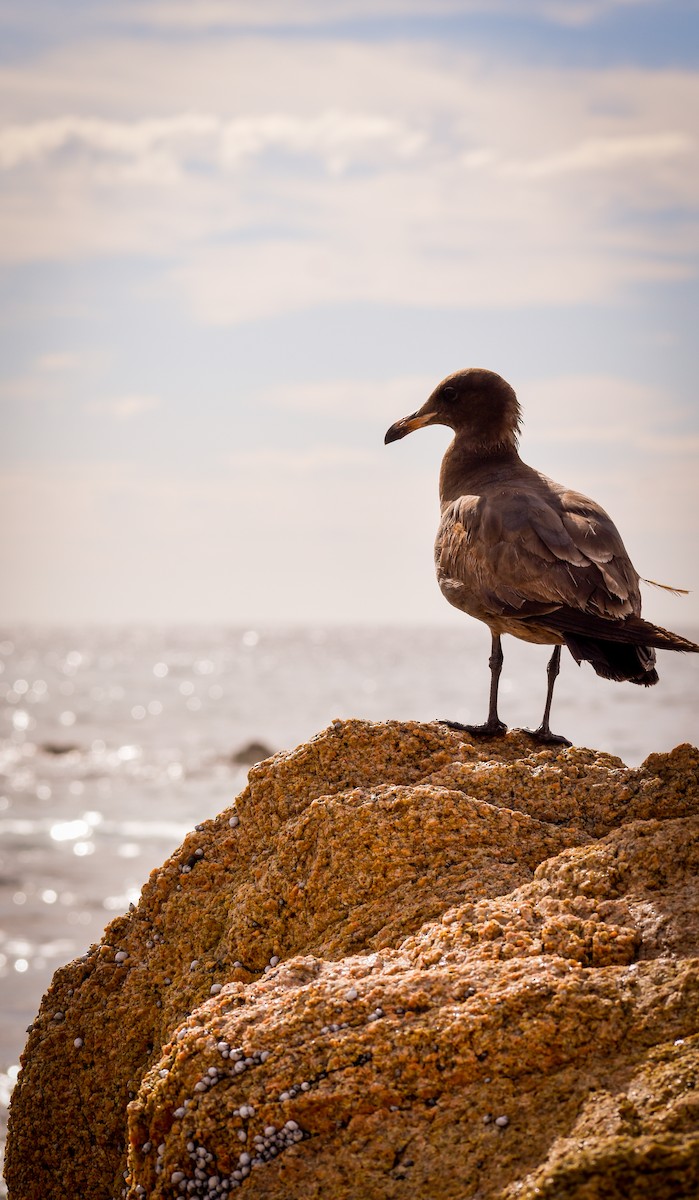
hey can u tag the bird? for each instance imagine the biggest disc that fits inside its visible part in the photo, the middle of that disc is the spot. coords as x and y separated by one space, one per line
528 556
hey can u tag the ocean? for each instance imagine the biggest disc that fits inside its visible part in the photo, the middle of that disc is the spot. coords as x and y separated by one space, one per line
115 742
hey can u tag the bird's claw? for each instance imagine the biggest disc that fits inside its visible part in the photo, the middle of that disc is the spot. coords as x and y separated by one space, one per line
545 738
491 729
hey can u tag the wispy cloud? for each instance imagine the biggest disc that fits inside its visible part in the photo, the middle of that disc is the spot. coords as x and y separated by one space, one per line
581 12
352 400
59 360
584 409
123 408
605 154
264 13
220 167
312 459
384 173
336 138
604 410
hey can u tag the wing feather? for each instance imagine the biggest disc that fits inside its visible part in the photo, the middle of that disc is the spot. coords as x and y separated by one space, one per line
515 551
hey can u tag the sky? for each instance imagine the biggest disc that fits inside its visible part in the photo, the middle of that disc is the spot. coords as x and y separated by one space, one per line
238 240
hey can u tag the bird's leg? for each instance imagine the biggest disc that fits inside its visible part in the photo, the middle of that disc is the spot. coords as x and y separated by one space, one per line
543 733
493 726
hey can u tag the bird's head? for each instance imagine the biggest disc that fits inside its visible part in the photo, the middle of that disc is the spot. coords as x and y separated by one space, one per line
477 404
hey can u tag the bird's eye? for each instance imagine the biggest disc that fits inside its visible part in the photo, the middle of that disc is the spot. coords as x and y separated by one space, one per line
449 392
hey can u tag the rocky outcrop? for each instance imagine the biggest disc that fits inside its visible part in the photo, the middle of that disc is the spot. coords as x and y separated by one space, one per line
403 965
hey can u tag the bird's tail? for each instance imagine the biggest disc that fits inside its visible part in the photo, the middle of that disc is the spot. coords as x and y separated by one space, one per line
628 654
614 660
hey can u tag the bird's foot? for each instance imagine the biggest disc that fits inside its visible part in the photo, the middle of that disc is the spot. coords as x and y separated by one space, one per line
491 729
545 738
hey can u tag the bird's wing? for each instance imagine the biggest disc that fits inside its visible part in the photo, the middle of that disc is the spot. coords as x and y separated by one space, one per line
529 549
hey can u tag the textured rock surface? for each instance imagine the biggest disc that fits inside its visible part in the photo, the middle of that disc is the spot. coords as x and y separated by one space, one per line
404 965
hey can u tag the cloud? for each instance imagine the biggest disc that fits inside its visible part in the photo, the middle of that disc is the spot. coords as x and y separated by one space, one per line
267 14
56 377
603 410
594 409
582 12
512 265
270 13
273 534
353 400
61 360
579 410
270 179
336 138
632 447
31 142
600 154
123 408
273 461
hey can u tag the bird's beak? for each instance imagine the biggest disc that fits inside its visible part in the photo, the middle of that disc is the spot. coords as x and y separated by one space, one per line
406 425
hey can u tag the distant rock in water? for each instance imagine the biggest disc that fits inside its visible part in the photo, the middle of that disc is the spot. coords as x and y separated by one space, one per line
57 748
251 753
405 965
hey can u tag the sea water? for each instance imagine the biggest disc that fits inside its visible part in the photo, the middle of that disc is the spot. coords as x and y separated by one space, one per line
115 742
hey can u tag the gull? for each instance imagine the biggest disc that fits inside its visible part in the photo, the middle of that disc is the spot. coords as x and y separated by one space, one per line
528 556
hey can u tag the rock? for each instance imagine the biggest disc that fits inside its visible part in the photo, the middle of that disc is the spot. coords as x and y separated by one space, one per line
58 748
418 966
251 753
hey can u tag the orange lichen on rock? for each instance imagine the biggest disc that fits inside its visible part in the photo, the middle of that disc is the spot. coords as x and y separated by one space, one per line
405 964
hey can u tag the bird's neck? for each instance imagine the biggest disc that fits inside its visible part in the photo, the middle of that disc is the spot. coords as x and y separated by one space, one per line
465 468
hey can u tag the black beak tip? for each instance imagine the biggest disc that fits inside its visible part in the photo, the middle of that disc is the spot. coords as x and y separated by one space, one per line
398 430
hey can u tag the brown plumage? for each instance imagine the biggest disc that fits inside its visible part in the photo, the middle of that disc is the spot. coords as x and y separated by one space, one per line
526 555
